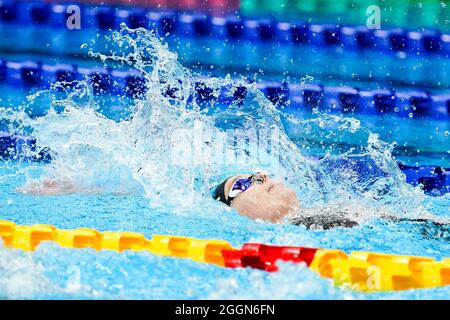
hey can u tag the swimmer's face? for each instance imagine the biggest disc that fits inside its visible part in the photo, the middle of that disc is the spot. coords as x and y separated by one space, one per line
265 199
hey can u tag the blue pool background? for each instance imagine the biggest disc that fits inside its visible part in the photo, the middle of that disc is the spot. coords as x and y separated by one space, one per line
51 271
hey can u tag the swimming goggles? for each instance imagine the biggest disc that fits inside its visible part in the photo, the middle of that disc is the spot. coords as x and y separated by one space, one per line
240 185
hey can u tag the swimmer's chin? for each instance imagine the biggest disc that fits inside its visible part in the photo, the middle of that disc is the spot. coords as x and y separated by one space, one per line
285 218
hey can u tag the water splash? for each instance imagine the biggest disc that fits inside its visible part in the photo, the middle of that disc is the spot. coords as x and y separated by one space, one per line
93 153
21 277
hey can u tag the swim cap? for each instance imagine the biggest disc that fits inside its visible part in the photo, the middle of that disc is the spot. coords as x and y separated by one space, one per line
219 193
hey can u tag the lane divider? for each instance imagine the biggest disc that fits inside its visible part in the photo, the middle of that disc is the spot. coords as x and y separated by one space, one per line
27 238
364 271
22 147
264 257
433 179
340 99
104 17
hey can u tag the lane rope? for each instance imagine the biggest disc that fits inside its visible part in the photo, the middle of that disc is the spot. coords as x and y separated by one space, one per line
359 270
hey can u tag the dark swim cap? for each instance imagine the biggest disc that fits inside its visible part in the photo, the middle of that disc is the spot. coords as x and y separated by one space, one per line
219 193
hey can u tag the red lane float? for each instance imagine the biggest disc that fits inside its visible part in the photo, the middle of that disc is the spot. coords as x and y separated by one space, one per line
264 257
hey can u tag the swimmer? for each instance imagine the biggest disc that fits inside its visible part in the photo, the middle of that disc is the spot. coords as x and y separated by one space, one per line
257 196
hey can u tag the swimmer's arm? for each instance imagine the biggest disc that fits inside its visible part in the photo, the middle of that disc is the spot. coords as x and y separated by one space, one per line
49 187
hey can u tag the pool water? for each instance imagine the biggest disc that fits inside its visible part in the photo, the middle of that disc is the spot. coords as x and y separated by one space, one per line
49 272
127 180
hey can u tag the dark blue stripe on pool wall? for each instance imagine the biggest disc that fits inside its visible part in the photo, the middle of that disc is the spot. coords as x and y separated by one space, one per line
166 23
346 100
